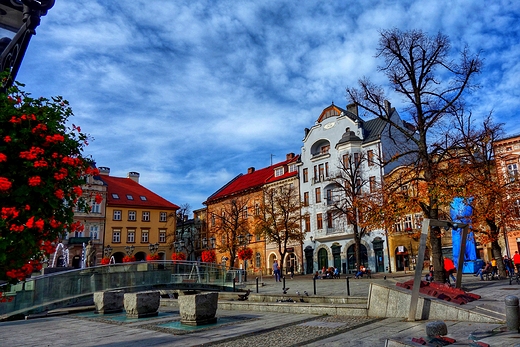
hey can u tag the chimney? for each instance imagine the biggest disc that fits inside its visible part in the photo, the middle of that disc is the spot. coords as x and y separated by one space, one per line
104 171
289 156
352 108
250 170
388 107
134 176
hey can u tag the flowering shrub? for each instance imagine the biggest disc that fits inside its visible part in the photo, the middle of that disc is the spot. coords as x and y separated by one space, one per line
208 256
41 169
178 256
245 253
151 257
105 261
128 259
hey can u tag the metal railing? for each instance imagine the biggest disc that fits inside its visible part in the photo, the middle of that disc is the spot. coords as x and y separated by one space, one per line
63 288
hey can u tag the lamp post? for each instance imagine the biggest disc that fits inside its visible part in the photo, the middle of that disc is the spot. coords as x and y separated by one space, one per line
129 250
244 241
107 252
20 17
153 247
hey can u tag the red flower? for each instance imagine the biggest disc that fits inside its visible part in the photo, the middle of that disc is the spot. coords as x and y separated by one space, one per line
59 194
9 212
105 261
178 256
151 257
7 139
34 181
39 224
5 184
61 174
128 259
98 199
3 157
208 256
40 163
78 191
245 253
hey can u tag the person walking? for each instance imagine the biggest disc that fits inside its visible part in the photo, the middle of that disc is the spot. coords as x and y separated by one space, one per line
276 271
516 261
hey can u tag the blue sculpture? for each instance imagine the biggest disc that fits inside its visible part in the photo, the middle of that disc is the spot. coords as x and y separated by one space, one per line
460 212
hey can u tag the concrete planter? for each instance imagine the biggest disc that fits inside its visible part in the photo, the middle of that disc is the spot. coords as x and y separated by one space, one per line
198 309
142 304
109 302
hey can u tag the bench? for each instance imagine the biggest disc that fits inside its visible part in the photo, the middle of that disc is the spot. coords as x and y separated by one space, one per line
244 297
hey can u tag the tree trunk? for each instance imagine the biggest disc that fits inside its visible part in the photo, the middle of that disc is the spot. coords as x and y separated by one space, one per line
438 260
496 251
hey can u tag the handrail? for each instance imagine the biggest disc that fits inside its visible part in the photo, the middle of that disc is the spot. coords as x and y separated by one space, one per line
50 289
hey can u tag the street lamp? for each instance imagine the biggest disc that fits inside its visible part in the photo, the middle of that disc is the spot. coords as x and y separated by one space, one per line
107 251
244 240
20 17
129 250
154 247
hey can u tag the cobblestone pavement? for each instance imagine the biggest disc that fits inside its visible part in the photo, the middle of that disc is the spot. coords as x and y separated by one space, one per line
300 333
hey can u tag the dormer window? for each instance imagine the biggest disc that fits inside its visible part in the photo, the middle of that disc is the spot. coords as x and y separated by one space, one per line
292 167
143 198
129 197
115 196
278 172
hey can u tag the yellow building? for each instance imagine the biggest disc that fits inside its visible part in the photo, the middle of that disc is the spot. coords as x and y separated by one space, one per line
137 220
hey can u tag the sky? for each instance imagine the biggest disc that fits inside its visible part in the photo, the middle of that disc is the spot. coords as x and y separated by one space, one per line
192 93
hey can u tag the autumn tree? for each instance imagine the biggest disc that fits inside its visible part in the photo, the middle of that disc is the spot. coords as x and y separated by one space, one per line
279 218
230 225
492 196
420 69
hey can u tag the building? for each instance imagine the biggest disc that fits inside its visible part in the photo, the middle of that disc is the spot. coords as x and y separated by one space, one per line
507 157
231 212
340 138
138 221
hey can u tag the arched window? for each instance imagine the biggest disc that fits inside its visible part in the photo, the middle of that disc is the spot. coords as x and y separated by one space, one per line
351 257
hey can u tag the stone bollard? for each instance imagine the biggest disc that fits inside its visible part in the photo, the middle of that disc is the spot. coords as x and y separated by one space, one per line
512 313
142 304
109 302
436 328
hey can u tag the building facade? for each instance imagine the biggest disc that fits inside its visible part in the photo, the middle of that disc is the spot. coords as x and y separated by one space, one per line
138 221
339 137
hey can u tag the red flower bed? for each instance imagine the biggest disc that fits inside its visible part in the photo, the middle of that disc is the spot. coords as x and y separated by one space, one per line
128 259
245 254
105 261
178 256
151 257
208 256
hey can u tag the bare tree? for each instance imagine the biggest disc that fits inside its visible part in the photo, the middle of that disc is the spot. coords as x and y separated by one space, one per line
279 218
229 225
352 201
419 68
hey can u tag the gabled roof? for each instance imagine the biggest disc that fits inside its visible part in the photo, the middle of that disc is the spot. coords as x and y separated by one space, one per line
252 181
373 129
336 111
127 186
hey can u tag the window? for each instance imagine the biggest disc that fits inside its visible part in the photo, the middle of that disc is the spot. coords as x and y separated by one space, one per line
144 236
329 197
305 175
129 197
321 171
162 236
307 221
329 220
513 172
318 195
258 260
94 232
143 198
130 238
163 216
370 157
116 236
326 169
278 172
244 212
146 216
258 237
356 158
212 220
372 183
94 207
316 173
306 199
292 167
117 215
324 149
346 159
115 196
319 221
132 215
408 222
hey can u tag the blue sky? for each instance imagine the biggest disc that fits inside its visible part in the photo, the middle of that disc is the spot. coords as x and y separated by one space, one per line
192 93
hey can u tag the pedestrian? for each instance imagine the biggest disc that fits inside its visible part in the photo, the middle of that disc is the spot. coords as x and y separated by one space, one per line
291 270
449 270
276 271
429 275
508 266
516 261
